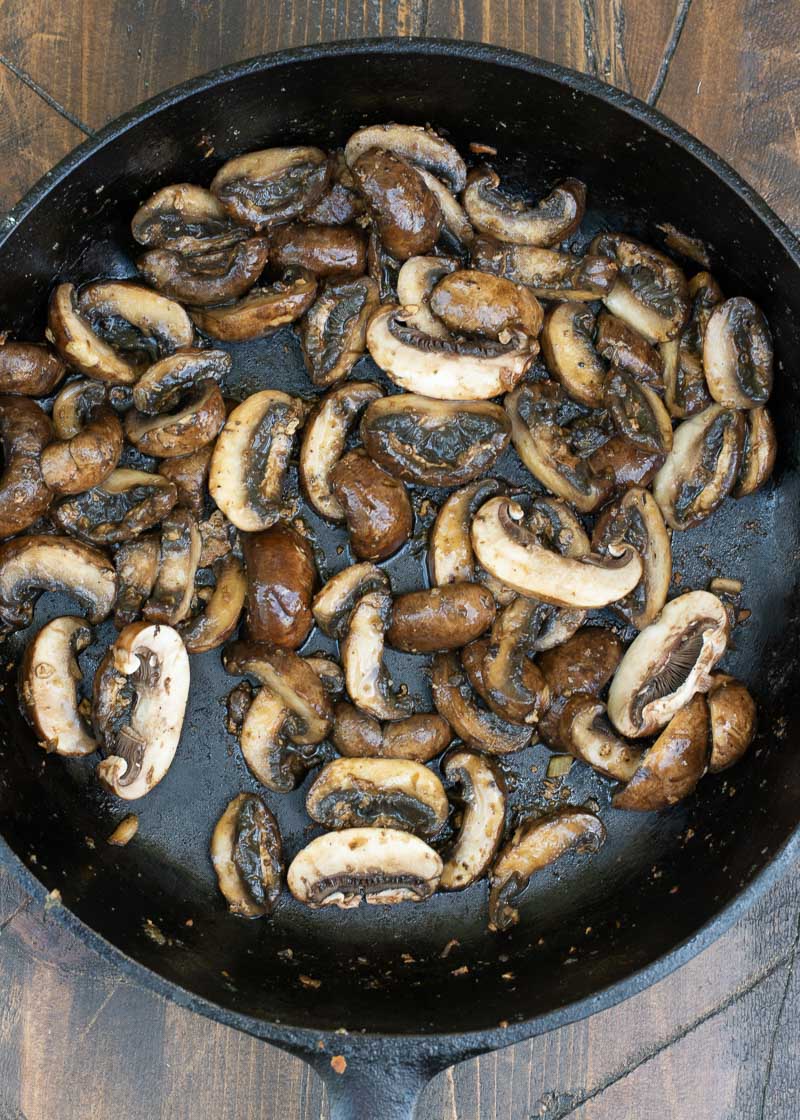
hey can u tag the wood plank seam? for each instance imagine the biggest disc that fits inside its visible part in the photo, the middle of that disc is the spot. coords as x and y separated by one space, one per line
48 99
778 1018
678 25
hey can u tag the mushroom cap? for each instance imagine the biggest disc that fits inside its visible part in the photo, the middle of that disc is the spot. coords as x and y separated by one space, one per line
733 720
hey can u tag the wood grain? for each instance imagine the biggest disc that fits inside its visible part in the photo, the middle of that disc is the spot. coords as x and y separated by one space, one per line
714 1041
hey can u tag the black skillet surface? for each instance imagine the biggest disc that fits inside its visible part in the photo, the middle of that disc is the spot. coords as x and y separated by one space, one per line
593 931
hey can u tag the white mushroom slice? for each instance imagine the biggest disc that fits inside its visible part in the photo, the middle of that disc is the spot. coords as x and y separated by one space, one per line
140 693
733 719
49 563
758 452
380 865
49 687
534 846
79 346
737 354
450 555
271 186
151 314
446 369
483 818
324 438
171 599
292 680
416 280
586 733
247 855
420 146
667 663
554 219
650 293
334 604
378 793
702 468
671 768
636 519
333 331
251 455
368 683
516 556
454 219
569 352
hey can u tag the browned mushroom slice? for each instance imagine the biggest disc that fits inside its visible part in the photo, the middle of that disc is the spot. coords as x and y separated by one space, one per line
440 618
334 603
251 457
324 438
124 505
492 211
262 310
406 212
334 331
197 422
737 354
88 441
650 293
667 663
686 391
702 468
137 567
281 575
48 687
625 349
378 793
534 846
184 218
368 682
323 250
271 186
247 855
570 353
161 387
140 693
758 452
220 615
514 685
357 734
473 302
535 410
34 563
455 701
482 798
134 319
732 716
638 412
548 273
189 474
584 664
292 680
269 754
586 733
636 520
455 223
434 443
329 672
171 598
24 432
450 555
376 506
340 204
420 146
382 267
461 369
28 369
82 349
381 865
218 537
416 281
418 738
624 464
216 276
670 769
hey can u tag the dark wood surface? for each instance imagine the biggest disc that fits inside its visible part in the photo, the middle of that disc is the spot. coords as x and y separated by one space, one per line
716 1040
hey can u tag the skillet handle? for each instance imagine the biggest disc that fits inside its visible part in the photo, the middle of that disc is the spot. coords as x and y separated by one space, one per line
373 1085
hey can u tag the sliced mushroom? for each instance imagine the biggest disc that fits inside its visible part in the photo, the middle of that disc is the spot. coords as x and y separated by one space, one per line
454 221
341 204
357 734
534 846
161 387
650 293
185 218
702 468
382 266
450 555
270 756
292 680
418 145
473 302
570 354
440 618
585 731
334 331
636 520
432 442
88 440
247 855
189 475
585 663
552 220
516 556
74 338
368 682
271 186
549 274
416 281
49 687
381 865
218 536
418 738
220 615
134 319
376 506
36 563
733 720
323 250
737 354
334 603
221 274
483 817
405 211
671 768
197 422
281 575
171 598
758 452
627 350
542 442
513 684
686 391
456 369
378 793
324 438
624 464
262 310
124 505
455 701
638 412
140 693
667 663
28 369
329 672
251 457
24 496
136 563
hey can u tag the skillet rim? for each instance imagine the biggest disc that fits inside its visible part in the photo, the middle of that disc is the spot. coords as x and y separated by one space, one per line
434 1050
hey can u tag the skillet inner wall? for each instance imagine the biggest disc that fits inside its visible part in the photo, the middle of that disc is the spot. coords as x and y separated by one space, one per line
591 922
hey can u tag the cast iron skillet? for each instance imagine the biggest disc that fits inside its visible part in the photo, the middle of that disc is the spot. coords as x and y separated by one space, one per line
665 884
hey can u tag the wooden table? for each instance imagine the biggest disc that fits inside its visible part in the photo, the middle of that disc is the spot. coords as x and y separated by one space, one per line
716 1040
